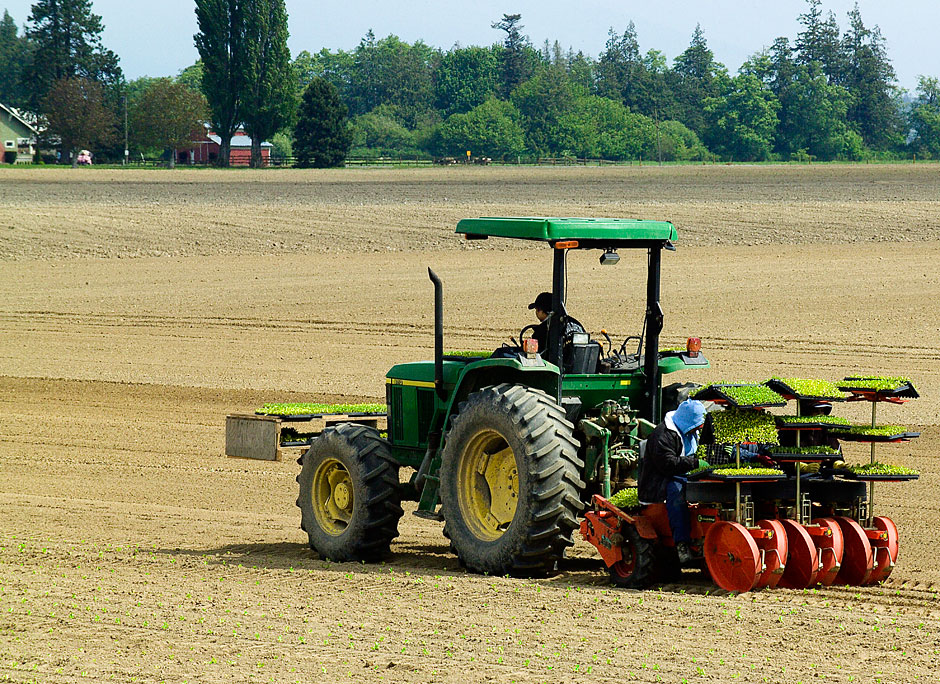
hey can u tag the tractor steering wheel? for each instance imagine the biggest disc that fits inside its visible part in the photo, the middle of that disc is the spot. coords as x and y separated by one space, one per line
522 332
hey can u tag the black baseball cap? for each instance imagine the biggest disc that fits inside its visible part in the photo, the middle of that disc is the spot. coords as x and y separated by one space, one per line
543 302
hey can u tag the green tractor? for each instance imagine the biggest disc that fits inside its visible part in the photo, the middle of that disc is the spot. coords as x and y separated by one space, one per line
508 449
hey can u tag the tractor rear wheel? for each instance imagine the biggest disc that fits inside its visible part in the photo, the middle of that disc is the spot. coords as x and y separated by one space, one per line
350 501
510 482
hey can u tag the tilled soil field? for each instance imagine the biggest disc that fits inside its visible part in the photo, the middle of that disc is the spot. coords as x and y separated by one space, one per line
137 309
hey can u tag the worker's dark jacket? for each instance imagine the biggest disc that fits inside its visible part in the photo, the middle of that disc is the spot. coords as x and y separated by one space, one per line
664 458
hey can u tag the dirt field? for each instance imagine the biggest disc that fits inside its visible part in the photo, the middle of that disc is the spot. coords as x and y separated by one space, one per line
137 309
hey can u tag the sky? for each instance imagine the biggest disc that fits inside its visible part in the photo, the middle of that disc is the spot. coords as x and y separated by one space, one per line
156 38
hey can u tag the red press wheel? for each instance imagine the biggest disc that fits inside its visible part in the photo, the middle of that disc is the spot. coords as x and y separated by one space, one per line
732 556
885 556
858 561
775 553
803 560
831 549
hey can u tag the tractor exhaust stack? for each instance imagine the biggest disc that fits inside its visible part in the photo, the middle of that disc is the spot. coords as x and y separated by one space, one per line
438 335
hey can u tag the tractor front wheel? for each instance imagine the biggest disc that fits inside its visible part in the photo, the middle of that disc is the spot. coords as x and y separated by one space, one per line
350 500
510 481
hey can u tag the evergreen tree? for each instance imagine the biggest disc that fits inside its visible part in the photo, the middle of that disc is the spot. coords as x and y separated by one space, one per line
870 79
697 75
220 45
13 54
65 42
516 58
819 42
620 68
321 135
268 97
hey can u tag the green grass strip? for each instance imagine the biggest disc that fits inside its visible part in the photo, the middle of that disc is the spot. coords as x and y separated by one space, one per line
470 354
306 409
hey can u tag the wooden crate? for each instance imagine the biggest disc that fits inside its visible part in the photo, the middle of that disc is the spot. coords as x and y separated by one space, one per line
259 437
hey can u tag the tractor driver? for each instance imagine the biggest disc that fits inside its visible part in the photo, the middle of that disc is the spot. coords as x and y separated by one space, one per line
543 309
670 453
542 306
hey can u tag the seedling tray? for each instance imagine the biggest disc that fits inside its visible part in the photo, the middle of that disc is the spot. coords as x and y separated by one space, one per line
781 387
874 477
904 390
804 458
849 437
725 394
715 475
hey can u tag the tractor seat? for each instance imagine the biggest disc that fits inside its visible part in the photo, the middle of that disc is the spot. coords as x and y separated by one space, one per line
581 353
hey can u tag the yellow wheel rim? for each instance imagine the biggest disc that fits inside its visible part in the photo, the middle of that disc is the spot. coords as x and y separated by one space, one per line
332 496
487 485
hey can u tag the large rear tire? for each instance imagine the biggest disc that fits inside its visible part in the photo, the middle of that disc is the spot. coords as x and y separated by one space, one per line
510 482
350 498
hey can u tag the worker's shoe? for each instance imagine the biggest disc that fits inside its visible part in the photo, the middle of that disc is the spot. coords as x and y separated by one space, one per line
689 556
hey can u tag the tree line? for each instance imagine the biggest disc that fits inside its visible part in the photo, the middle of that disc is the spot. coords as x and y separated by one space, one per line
830 93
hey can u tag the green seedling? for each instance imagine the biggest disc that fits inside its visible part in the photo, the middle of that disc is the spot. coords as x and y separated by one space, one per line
626 498
874 382
733 426
810 388
881 469
809 420
869 431
827 450
746 395
306 409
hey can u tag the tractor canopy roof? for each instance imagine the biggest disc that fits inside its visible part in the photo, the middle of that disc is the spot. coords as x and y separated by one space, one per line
588 232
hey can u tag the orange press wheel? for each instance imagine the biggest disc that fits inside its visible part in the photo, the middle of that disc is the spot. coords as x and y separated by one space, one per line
732 556
775 553
885 556
803 558
858 560
831 548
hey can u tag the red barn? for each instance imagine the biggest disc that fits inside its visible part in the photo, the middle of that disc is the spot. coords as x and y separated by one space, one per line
206 150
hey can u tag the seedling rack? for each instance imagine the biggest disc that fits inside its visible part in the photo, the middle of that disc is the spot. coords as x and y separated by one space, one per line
876 390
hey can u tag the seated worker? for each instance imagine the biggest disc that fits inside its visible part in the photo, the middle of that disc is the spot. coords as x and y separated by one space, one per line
543 309
670 453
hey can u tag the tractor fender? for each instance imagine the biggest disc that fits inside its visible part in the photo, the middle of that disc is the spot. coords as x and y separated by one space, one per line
494 371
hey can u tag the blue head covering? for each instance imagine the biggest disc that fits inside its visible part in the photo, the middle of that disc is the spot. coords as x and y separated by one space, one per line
689 415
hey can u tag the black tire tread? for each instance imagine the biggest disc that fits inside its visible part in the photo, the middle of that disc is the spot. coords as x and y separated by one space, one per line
376 516
554 469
